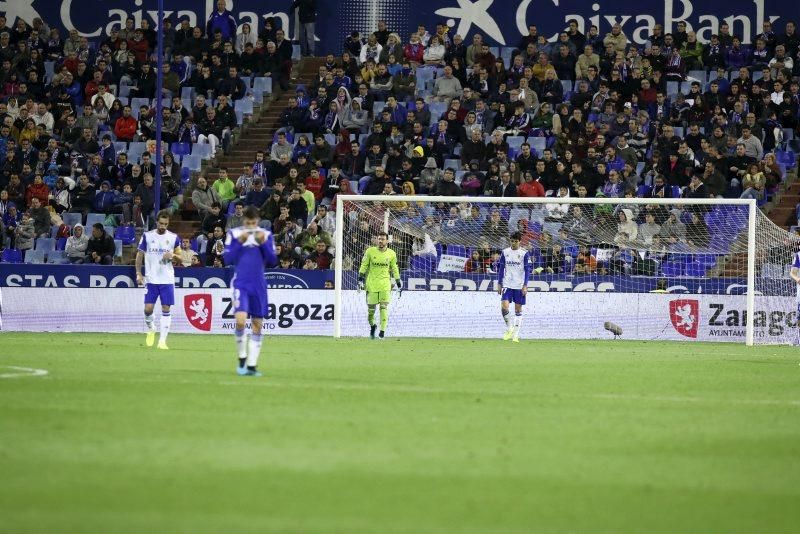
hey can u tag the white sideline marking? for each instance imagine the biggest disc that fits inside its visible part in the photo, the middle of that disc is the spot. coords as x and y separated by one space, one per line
23 371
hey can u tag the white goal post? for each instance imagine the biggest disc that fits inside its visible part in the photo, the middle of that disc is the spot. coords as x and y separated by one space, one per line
712 267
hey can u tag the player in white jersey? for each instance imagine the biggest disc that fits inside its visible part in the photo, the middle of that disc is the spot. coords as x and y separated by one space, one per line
513 272
795 274
156 250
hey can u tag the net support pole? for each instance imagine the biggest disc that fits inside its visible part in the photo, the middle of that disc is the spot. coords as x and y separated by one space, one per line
751 271
159 90
337 265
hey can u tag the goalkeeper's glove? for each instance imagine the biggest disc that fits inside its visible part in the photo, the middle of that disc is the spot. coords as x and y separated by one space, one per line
399 288
361 282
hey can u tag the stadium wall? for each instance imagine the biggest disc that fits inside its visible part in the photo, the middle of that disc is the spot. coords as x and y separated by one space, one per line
501 22
698 317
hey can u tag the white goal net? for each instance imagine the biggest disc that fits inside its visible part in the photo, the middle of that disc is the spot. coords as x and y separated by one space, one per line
676 269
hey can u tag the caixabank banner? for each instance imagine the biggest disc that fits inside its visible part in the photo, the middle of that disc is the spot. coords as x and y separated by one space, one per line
436 314
500 22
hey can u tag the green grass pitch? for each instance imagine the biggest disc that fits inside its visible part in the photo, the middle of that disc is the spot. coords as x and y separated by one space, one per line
408 435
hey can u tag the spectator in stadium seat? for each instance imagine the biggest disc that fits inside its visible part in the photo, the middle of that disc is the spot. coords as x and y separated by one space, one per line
225 188
258 195
232 86
24 232
104 199
222 20
203 197
41 218
377 181
530 187
282 147
100 247
187 256
126 126
298 207
76 245
215 247
212 130
587 59
82 196
236 219
447 187
447 87
321 257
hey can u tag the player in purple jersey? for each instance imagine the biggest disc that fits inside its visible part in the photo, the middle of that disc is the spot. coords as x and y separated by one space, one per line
249 248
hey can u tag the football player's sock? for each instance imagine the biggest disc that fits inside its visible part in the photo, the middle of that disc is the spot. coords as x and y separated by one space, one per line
254 351
507 318
241 346
166 322
384 318
517 323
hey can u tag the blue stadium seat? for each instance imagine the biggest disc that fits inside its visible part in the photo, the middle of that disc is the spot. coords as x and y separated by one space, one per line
454 163
201 150
49 70
424 263
457 250
187 92
245 105
567 85
263 84
125 233
94 218
61 243
45 244
538 144
505 53
239 116
192 162
120 146
437 109
423 75
515 141
699 75
117 248
331 139
135 151
57 257
673 88
34 256
672 269
11 255
516 215
377 107
71 219
695 269
181 149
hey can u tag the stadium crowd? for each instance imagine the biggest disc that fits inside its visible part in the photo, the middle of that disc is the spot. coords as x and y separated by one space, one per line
586 115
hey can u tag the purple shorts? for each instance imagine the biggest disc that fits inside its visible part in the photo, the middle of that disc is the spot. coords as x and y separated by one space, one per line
254 303
164 292
514 295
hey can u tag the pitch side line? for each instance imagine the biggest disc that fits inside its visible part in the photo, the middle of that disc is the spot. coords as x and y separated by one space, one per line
23 371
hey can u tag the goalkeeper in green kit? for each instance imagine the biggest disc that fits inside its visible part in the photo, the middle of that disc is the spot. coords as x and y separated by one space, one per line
378 267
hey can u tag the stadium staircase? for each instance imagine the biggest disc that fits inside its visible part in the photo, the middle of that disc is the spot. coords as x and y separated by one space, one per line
255 135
